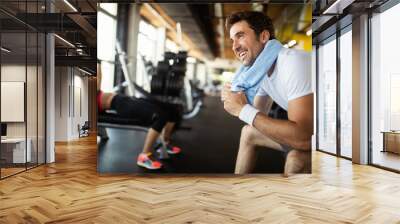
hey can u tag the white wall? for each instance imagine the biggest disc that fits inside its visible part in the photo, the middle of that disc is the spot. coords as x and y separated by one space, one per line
14 73
17 73
61 103
80 110
71 103
33 126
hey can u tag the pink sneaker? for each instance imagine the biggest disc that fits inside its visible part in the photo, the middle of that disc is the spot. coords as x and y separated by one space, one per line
172 150
145 161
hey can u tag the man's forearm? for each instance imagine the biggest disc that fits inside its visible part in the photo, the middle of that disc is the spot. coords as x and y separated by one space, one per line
295 132
284 131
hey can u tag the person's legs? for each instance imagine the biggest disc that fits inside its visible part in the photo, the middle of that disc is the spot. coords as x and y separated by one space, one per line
151 138
297 161
167 139
145 112
145 158
249 139
167 132
173 116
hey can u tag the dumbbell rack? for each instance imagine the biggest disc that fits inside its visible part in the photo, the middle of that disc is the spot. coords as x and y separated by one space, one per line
168 82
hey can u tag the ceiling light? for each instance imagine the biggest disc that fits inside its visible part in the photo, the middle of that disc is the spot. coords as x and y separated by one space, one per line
329 9
292 43
5 50
70 5
65 41
338 6
285 46
84 71
309 32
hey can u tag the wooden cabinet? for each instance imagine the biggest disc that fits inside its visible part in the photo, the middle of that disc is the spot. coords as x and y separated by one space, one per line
391 141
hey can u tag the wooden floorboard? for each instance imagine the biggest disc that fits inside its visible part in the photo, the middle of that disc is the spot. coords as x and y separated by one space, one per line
71 191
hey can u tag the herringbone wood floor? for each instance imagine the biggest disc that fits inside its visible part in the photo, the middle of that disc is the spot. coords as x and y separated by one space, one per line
70 191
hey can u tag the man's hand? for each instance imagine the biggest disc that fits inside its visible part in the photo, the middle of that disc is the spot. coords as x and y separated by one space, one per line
233 101
225 90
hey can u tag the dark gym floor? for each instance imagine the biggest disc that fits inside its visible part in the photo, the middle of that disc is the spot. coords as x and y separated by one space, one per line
209 147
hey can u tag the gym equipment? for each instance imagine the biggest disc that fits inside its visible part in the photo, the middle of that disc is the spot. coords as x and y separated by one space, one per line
168 82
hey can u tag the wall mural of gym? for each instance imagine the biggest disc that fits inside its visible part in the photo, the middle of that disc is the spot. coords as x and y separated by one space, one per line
204 88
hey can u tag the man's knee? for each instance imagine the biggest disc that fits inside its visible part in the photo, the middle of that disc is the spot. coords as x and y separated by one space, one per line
247 134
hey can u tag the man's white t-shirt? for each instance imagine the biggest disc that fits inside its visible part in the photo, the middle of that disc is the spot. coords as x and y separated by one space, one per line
290 79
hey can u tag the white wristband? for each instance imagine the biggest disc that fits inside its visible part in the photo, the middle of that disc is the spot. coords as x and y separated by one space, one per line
248 113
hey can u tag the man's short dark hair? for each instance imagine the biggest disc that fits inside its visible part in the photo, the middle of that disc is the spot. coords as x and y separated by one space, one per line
257 21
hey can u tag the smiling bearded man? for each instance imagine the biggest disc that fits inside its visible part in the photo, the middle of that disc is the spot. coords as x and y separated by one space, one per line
269 73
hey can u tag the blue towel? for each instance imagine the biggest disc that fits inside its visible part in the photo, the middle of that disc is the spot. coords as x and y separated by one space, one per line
248 78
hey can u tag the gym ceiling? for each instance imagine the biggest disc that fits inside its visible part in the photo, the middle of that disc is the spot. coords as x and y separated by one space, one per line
202 25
